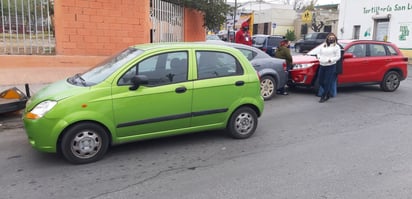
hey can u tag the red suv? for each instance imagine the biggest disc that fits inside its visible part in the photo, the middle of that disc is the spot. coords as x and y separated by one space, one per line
364 62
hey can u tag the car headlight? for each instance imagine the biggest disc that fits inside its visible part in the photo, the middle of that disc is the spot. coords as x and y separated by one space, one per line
302 66
41 109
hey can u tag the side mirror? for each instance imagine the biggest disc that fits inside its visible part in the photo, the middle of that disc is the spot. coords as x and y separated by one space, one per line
347 55
137 81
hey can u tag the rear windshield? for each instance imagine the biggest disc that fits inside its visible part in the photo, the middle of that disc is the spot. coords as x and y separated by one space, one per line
258 40
274 41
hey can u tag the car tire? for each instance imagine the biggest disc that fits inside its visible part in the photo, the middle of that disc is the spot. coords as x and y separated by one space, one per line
391 81
298 49
268 87
84 143
242 123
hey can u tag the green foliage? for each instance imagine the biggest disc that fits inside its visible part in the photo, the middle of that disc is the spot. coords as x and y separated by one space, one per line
215 11
290 35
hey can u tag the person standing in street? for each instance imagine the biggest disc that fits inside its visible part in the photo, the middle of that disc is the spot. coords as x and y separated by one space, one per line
243 36
283 52
329 54
339 67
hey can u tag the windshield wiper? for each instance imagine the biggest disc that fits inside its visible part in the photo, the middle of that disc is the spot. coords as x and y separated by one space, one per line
82 81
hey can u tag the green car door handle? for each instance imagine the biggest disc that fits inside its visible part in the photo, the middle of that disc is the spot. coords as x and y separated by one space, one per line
180 90
239 83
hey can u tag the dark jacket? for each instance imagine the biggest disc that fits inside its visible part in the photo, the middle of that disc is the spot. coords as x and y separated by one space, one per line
282 52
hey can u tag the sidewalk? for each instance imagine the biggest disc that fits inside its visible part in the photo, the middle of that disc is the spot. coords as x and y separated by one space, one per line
36 77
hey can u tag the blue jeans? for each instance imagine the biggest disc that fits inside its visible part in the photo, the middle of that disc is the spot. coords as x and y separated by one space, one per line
327 76
333 90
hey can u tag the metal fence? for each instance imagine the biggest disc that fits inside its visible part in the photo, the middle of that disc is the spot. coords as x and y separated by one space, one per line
167 22
27 27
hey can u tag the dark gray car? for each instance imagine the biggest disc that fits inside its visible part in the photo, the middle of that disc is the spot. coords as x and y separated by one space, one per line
272 71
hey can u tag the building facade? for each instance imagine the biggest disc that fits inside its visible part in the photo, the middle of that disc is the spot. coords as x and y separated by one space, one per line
378 20
324 17
268 18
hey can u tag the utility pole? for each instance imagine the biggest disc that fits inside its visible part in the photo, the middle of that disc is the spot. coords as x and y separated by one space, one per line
234 24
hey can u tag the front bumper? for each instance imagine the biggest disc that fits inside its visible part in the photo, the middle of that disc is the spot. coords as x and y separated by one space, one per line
43 133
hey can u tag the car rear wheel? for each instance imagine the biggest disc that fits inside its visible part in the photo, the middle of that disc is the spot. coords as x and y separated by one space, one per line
391 81
242 123
84 143
298 49
267 87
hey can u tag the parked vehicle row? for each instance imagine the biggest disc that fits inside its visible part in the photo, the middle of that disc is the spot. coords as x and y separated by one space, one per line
155 90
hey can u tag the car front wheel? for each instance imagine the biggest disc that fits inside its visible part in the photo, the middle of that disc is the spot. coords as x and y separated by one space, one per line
84 143
391 81
267 87
242 123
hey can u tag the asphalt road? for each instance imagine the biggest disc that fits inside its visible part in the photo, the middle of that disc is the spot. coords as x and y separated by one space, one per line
357 145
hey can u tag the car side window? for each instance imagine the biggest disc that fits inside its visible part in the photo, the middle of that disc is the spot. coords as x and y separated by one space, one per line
377 50
391 50
322 36
161 69
358 50
212 64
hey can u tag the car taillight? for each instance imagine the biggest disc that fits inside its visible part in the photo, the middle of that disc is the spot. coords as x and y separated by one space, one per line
284 66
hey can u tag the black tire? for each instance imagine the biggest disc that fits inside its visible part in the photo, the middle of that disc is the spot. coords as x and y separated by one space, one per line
391 81
298 49
242 123
84 143
268 87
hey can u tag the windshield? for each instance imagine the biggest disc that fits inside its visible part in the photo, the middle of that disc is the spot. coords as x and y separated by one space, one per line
104 69
315 51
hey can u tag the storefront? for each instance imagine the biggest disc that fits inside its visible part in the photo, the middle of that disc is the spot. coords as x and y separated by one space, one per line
379 20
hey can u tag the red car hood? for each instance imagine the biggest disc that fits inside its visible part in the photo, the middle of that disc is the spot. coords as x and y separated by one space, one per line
303 59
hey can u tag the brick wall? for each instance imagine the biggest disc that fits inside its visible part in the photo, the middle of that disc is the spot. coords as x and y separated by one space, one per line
100 27
87 31
193 26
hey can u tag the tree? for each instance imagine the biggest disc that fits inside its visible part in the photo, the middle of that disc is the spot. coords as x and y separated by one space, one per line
214 11
290 35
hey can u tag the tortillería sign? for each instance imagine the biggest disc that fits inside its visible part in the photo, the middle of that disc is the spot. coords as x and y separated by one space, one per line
388 8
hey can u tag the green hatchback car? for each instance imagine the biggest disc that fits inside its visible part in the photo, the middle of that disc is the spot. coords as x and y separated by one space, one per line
145 91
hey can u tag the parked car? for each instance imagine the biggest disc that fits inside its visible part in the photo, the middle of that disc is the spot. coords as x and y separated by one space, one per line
267 43
272 71
144 92
310 41
364 62
213 37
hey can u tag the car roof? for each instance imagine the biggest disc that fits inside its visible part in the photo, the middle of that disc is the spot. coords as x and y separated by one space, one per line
262 35
371 41
177 45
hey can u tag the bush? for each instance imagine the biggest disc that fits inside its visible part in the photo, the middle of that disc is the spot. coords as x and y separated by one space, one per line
290 35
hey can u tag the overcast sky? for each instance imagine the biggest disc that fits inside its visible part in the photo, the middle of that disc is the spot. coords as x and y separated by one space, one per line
321 2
